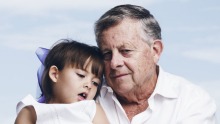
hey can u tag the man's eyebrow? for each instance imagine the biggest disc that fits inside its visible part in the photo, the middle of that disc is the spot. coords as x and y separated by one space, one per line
104 49
127 45
124 45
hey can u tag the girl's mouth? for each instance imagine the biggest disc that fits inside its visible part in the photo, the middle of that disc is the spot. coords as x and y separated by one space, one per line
82 96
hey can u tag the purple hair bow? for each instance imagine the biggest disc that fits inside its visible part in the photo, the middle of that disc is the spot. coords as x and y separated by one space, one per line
41 54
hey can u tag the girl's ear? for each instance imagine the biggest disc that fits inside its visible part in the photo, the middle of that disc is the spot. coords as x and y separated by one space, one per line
54 73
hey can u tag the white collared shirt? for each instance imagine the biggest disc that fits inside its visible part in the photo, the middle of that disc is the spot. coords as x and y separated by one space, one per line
174 101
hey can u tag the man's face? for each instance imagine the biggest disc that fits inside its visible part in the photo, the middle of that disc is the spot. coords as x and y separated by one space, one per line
129 61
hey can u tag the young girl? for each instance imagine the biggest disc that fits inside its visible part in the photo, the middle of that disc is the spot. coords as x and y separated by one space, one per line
70 81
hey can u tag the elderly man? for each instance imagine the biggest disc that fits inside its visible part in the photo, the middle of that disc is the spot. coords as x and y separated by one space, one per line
137 90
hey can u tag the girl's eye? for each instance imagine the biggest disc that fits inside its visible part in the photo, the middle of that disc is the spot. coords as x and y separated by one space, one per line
95 84
80 75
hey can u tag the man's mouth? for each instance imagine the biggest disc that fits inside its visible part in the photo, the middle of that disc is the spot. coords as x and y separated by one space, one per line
119 75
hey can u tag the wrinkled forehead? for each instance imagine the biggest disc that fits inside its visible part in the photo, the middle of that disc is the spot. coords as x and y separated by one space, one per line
127 33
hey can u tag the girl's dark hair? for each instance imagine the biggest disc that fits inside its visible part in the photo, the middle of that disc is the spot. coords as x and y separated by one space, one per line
69 52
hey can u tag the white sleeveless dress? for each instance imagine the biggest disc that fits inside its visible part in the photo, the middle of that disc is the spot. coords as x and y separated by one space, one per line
81 112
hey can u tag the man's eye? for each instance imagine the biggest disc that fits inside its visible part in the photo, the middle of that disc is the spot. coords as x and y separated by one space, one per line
125 51
95 83
80 75
107 56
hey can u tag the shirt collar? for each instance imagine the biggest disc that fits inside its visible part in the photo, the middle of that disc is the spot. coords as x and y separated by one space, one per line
105 89
164 87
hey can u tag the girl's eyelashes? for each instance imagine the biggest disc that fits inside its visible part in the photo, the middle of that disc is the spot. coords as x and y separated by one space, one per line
95 83
80 75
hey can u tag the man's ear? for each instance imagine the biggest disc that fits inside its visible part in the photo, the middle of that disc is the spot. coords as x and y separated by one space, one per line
54 73
157 49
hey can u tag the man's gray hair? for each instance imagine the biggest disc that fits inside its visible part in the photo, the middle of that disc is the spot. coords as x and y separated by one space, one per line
115 15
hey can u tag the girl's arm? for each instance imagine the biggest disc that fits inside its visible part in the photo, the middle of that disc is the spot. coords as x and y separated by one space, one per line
100 116
27 115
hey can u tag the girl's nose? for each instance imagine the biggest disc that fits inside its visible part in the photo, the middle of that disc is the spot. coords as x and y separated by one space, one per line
87 85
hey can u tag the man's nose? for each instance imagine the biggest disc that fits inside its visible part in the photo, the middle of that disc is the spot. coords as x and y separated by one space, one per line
117 60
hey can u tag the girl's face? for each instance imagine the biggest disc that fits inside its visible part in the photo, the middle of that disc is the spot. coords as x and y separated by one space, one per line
72 85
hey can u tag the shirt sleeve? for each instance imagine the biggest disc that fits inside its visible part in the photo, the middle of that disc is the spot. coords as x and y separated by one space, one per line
200 109
28 100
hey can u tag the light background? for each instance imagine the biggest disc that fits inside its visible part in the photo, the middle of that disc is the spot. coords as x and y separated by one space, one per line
190 31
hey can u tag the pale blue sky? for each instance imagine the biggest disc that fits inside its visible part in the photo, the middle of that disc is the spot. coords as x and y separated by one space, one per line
190 31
